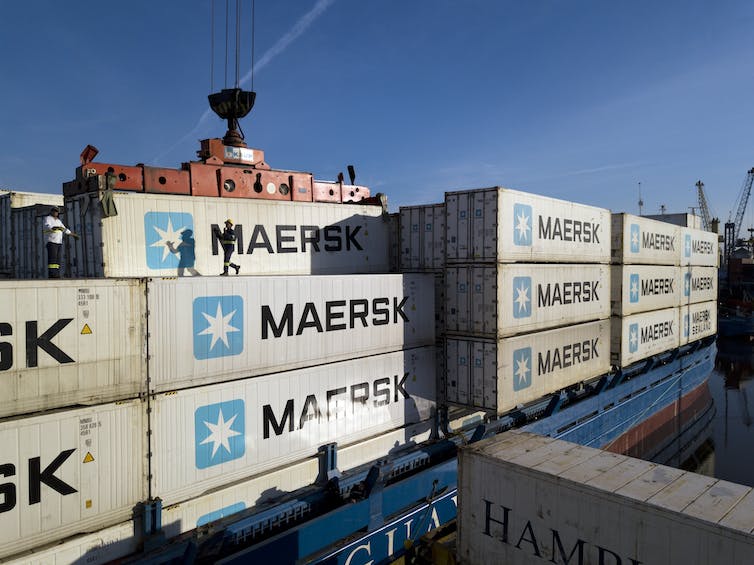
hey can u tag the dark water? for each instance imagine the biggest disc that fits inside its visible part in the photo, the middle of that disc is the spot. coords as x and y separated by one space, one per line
729 452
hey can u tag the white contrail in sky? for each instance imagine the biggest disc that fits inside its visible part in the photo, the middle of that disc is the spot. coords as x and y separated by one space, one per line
280 45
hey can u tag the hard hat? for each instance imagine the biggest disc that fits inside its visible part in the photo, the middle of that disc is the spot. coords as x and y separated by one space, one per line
54 209
229 221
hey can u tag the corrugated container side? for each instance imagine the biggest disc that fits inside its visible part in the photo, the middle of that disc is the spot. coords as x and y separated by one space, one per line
639 240
103 546
71 342
13 199
640 288
439 304
699 284
84 214
70 472
394 226
639 336
555 501
700 248
508 299
210 436
171 235
422 237
522 369
28 242
507 225
698 321
207 330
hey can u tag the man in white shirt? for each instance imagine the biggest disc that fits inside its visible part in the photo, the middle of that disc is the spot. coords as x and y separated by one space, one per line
54 230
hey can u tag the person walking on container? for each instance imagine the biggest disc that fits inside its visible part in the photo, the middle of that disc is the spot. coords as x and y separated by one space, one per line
228 240
53 231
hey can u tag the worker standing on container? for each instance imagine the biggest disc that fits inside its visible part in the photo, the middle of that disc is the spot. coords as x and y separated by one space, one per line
53 231
228 240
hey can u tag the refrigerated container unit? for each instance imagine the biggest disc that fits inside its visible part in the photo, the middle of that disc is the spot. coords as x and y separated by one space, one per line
503 225
639 336
699 284
422 231
637 240
69 342
698 321
154 235
641 288
503 300
700 248
499 375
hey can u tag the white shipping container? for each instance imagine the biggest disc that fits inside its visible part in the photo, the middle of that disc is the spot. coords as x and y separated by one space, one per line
213 329
639 336
699 284
698 321
700 248
504 225
640 288
70 472
639 240
156 235
518 370
508 299
103 546
13 199
210 436
555 501
70 342
422 237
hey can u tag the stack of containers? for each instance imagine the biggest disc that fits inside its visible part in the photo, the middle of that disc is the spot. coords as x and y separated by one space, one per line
527 296
664 287
422 250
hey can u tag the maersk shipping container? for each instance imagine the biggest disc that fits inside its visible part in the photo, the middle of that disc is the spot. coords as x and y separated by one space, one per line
640 288
508 299
208 436
504 225
499 375
698 321
28 242
422 237
13 199
70 472
70 342
212 329
639 336
156 235
638 240
553 501
700 248
699 284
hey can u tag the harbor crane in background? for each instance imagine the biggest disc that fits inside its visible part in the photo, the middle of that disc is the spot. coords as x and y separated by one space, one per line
703 208
733 227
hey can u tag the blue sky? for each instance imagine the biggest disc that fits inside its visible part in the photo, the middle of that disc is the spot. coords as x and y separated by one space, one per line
579 100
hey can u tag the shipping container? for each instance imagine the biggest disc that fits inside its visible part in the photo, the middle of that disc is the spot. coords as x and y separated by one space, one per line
394 254
103 546
640 288
13 199
171 235
698 321
638 240
422 237
503 374
210 436
211 329
699 284
70 472
508 299
70 342
503 225
682 220
28 242
700 248
639 336
557 502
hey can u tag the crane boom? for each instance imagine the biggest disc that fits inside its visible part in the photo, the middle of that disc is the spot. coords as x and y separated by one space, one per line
703 208
743 201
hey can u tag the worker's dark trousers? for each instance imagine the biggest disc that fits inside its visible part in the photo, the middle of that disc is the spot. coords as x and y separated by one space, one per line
53 260
227 252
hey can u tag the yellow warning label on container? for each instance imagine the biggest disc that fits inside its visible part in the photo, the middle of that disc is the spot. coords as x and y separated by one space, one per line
89 458
86 330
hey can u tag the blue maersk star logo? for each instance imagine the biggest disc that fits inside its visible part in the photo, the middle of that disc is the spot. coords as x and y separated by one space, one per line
685 325
633 338
633 288
687 246
168 235
522 222
219 433
635 238
521 368
521 297
686 284
218 326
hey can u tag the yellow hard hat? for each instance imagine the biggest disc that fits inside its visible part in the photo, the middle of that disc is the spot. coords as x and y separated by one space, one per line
229 221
